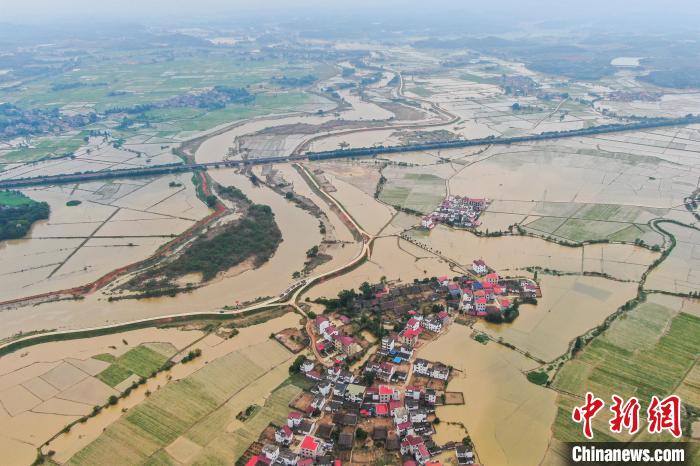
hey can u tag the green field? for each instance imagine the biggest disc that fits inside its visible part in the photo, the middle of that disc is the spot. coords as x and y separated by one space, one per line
190 406
415 191
649 351
44 146
588 222
10 198
141 361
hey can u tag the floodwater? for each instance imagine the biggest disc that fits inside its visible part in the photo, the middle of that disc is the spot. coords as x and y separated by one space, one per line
24 430
680 271
569 306
510 253
212 348
507 417
299 231
117 223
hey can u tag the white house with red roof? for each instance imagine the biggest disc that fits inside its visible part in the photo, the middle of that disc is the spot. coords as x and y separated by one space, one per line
443 280
284 436
321 323
505 304
480 304
294 419
329 332
479 266
386 394
491 278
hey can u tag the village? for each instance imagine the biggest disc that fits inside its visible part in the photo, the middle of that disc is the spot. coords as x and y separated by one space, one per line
368 401
457 211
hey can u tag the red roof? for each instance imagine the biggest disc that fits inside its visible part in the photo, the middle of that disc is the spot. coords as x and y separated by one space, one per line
382 409
320 346
423 450
453 286
253 460
412 322
294 415
346 340
404 425
487 285
309 443
443 278
479 293
394 404
305 462
505 303
481 301
493 276
384 390
320 319
443 314
409 463
286 431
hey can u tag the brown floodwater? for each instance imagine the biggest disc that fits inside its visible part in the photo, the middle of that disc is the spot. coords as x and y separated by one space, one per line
66 445
507 417
569 306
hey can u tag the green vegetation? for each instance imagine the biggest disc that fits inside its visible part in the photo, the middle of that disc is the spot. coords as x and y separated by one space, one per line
18 213
539 378
417 192
141 361
255 236
649 351
73 203
198 407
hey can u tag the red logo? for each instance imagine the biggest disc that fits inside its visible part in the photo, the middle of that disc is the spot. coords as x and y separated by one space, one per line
662 415
587 412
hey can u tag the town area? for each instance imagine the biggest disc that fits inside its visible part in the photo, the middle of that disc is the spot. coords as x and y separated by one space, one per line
370 395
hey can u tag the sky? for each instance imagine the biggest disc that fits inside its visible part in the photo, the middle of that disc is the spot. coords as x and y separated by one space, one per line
154 10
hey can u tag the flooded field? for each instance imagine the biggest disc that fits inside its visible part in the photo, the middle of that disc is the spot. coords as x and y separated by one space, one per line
680 272
510 253
236 374
116 223
569 306
213 348
45 387
507 417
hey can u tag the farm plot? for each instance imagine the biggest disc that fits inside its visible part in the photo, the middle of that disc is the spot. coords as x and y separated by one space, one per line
680 271
578 222
173 410
141 361
648 352
414 191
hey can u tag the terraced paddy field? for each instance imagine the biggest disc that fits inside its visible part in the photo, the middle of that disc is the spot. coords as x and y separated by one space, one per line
190 407
651 350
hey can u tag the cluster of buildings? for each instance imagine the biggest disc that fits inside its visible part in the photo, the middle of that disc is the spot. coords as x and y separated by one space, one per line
456 211
488 292
333 339
388 404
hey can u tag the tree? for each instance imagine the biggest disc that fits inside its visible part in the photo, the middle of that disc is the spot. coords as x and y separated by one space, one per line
361 434
311 314
289 195
366 290
211 201
296 365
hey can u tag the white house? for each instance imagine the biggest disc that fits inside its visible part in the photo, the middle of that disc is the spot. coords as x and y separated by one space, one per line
479 266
